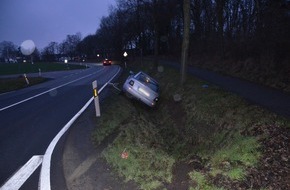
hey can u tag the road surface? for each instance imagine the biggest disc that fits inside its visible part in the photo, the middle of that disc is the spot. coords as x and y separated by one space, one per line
30 118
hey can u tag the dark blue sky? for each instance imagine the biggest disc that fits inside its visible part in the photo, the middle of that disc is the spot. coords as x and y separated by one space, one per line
44 21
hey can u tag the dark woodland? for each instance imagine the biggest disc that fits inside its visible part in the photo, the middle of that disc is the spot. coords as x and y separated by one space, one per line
244 38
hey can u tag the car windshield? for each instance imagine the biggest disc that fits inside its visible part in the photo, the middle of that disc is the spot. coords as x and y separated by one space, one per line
148 81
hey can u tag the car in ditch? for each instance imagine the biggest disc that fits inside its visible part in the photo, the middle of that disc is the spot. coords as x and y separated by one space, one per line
142 87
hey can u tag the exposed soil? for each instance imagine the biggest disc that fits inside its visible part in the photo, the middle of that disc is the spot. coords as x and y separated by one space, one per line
181 169
273 171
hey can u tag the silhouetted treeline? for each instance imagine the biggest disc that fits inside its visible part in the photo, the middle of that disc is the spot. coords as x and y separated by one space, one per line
236 29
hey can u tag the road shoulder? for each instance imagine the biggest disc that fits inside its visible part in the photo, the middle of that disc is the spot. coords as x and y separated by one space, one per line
83 165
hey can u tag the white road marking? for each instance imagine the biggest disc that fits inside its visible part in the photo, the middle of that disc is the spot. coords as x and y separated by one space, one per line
25 100
44 179
18 179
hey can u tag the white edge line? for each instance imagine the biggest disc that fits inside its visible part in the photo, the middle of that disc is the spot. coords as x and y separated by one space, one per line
19 178
12 105
25 100
44 179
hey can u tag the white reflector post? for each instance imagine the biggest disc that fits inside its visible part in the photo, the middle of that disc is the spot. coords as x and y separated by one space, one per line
96 98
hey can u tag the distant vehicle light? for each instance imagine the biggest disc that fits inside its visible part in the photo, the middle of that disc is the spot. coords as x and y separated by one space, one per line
107 62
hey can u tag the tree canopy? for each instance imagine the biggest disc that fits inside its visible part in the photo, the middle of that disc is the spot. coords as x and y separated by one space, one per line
227 28
216 27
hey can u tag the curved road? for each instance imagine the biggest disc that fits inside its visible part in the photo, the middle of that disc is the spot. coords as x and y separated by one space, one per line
30 118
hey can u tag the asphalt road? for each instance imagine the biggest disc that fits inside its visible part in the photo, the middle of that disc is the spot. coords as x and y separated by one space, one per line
269 98
30 118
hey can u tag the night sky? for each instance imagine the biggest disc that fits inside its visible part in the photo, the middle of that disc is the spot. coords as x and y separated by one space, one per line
45 21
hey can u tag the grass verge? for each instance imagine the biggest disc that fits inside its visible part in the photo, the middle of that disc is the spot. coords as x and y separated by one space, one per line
208 122
20 68
10 84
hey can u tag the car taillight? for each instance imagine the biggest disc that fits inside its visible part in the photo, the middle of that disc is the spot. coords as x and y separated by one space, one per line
131 82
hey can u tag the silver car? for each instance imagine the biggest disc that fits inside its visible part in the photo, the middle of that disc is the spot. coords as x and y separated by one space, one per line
142 87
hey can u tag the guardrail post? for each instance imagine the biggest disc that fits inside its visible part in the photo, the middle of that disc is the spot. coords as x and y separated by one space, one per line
96 98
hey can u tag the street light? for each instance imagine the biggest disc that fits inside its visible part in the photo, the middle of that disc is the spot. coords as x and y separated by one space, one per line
125 55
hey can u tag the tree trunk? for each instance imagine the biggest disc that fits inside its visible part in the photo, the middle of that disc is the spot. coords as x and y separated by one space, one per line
156 33
185 42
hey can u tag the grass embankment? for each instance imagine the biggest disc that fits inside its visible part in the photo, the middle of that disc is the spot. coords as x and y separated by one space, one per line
206 132
264 70
10 84
21 68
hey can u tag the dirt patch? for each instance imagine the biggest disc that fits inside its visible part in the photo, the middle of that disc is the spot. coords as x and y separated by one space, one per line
273 171
177 114
181 180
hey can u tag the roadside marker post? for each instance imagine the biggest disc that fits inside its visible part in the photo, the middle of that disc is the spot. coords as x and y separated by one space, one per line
26 79
96 98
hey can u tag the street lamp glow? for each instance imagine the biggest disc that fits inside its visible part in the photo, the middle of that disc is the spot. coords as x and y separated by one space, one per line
125 55
65 61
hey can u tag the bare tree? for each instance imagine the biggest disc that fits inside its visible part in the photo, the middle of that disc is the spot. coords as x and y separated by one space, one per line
8 50
49 52
69 45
